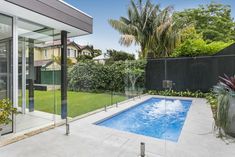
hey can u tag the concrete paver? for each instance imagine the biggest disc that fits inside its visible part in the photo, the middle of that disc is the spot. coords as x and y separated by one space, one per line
88 140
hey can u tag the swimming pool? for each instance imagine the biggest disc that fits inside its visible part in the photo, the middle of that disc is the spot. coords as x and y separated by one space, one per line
155 117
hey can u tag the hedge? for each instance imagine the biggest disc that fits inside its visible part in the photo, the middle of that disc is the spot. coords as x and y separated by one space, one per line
90 76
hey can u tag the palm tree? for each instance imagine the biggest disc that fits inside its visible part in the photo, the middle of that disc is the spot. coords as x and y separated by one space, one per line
137 27
167 33
149 27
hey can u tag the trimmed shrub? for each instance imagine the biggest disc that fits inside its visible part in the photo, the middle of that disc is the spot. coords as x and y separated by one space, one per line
90 76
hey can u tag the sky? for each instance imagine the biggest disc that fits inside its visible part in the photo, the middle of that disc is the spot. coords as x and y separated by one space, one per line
105 37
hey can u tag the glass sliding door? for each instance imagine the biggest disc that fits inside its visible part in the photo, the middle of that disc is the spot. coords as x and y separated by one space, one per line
6 62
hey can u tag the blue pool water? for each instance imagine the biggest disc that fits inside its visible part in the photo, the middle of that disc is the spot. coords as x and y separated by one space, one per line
155 117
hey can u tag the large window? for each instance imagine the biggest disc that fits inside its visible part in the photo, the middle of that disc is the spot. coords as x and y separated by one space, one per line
6 61
45 54
72 53
68 52
75 53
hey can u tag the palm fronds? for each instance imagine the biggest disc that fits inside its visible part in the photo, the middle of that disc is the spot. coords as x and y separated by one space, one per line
127 40
150 27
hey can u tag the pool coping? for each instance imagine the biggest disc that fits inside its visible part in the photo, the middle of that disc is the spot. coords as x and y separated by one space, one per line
87 139
125 108
100 116
16 137
139 103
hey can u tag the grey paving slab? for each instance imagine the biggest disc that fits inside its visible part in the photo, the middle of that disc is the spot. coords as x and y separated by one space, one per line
88 140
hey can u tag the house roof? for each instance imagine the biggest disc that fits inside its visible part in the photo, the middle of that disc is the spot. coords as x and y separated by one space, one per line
102 57
42 63
82 47
69 42
58 43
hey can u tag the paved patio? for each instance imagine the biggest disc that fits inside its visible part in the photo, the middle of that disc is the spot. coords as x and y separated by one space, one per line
31 121
88 140
35 119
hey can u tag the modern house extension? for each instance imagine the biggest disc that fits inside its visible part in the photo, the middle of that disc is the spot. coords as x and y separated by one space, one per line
24 27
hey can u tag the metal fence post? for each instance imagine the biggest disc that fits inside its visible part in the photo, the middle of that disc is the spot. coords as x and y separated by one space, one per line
105 108
67 127
142 149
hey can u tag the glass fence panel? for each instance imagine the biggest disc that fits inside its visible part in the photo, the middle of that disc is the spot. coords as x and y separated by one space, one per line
91 87
202 96
37 84
5 65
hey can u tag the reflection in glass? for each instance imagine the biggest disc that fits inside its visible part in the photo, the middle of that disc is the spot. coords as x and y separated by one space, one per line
6 61
37 98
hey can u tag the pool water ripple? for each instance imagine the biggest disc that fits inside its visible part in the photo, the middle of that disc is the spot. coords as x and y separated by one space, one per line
158 118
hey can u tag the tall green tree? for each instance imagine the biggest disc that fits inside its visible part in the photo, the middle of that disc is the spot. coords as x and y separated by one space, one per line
57 59
193 44
167 33
138 26
119 56
213 20
93 53
148 26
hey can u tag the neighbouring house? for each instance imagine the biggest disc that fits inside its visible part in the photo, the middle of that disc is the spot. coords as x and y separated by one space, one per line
27 31
44 60
47 53
47 72
53 49
38 66
101 58
88 52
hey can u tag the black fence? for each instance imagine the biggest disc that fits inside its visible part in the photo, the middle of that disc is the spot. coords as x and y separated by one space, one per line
199 73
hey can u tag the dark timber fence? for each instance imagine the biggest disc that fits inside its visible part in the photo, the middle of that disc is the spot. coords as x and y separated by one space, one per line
191 73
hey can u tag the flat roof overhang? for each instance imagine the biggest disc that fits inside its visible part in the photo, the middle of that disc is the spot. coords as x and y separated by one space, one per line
55 14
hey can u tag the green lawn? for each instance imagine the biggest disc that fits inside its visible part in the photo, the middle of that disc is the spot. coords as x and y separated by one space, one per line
78 102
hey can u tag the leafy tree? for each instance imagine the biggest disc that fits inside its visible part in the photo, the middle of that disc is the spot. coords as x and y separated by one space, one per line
193 44
57 59
89 76
119 56
80 76
199 47
93 53
214 21
84 58
97 52
148 26
190 33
